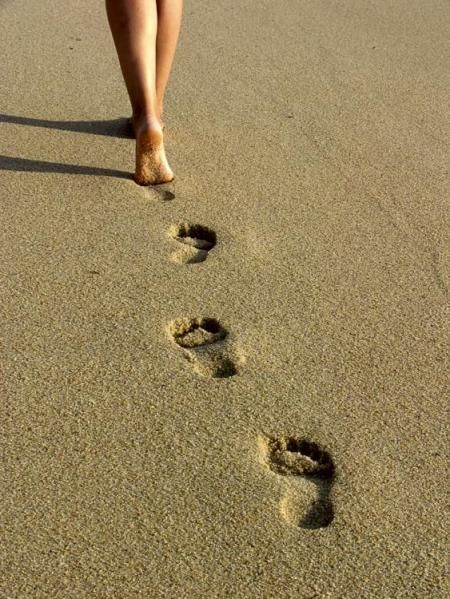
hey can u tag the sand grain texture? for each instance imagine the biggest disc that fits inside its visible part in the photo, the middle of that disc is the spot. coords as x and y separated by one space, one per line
311 138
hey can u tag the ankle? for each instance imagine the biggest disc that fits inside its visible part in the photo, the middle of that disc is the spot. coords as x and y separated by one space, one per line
147 119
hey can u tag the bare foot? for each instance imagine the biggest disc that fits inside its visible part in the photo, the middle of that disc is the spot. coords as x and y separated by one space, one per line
151 162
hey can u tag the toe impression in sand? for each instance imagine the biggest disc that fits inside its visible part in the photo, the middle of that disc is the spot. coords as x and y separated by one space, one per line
197 241
307 501
205 344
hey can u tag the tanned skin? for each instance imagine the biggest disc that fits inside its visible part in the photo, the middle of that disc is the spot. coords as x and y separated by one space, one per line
145 34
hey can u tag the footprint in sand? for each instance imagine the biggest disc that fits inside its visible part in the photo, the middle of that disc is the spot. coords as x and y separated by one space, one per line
165 195
306 502
196 240
204 342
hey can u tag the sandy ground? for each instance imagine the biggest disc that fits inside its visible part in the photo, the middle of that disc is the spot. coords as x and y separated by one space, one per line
310 138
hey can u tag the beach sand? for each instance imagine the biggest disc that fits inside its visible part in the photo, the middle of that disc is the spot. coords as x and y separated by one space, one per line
263 419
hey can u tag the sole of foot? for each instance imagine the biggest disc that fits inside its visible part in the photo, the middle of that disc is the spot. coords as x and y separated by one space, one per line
309 472
152 167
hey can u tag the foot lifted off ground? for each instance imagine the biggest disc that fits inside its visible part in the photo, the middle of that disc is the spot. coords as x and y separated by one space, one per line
152 167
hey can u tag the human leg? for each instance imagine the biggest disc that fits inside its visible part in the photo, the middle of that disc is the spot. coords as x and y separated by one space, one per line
133 25
169 23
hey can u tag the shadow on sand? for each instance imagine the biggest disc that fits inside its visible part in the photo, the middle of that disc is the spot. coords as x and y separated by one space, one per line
11 163
112 128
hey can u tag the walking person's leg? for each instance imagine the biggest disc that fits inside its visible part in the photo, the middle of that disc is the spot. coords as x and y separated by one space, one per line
134 26
169 23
